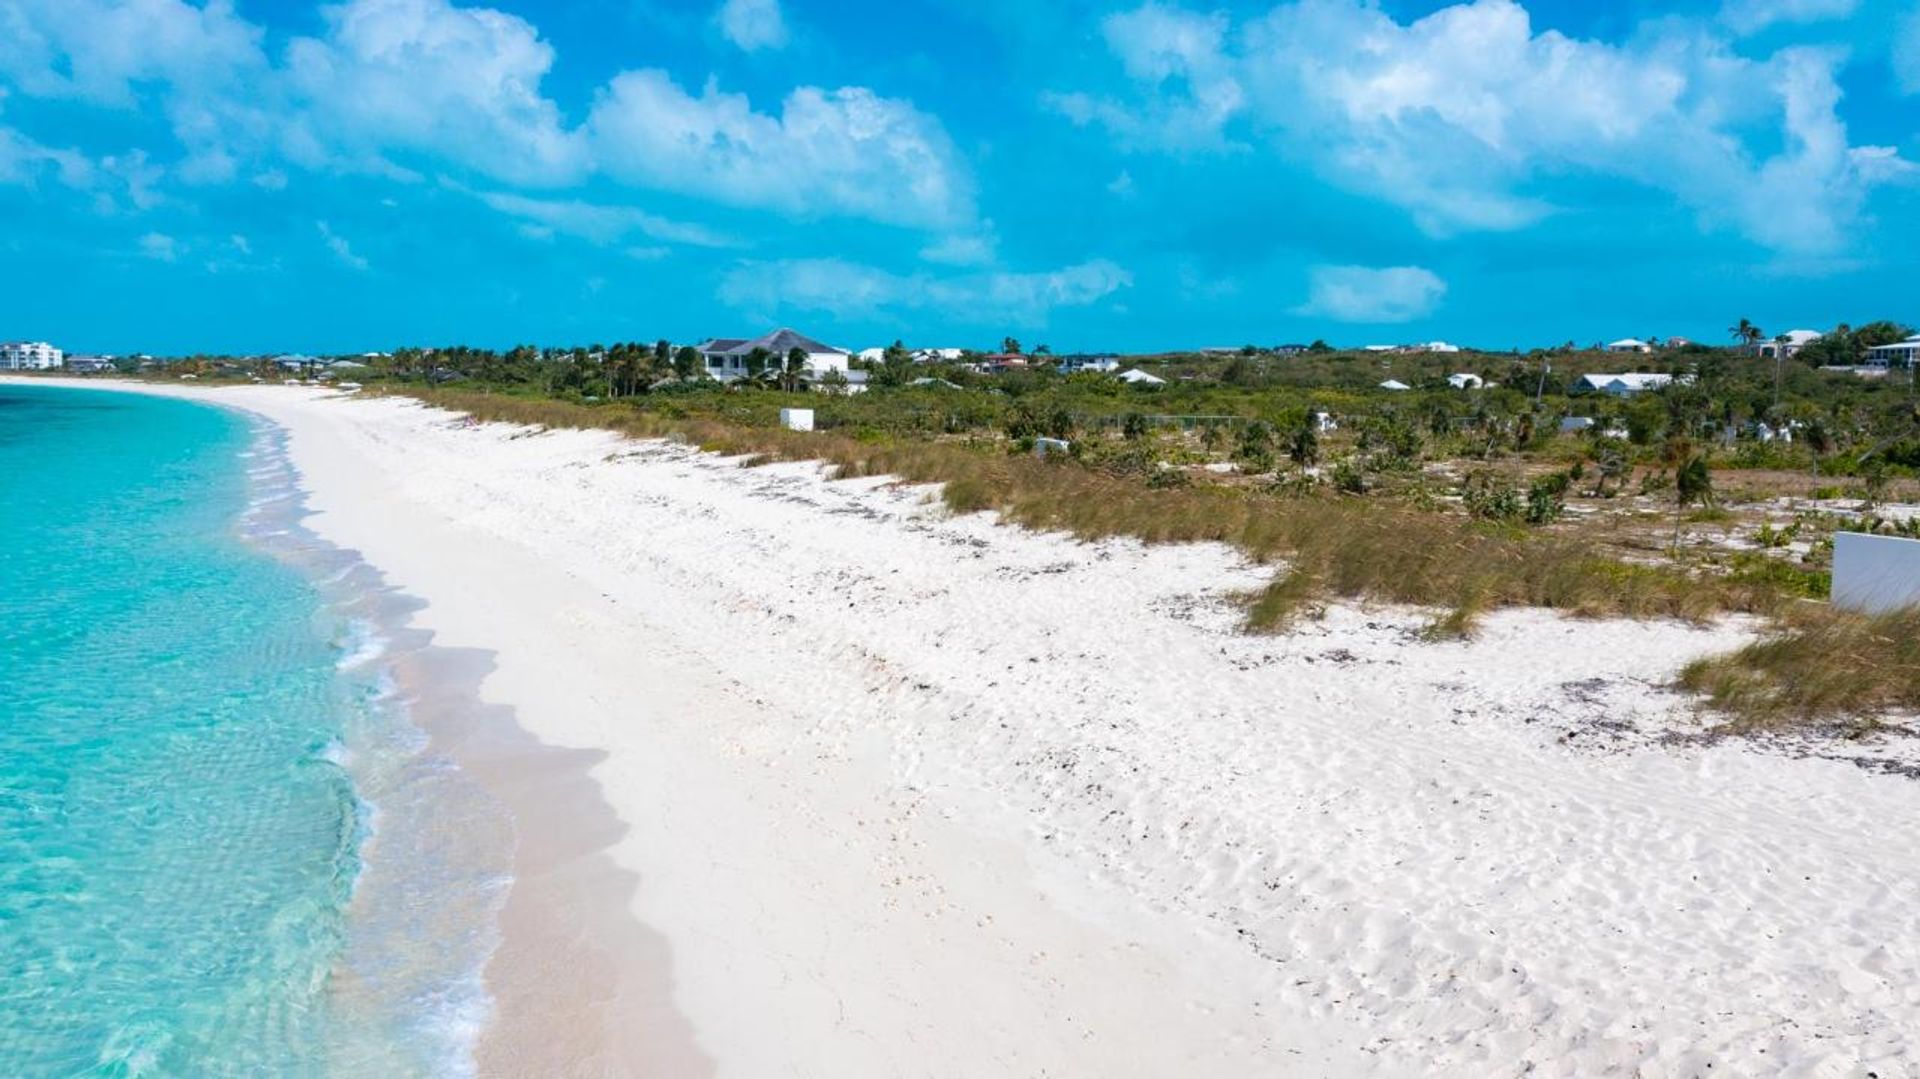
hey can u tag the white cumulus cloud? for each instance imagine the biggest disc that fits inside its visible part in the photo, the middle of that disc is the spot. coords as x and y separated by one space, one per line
852 290
1160 46
418 88
426 77
1753 16
159 246
340 248
24 161
753 24
1369 294
1467 116
1906 48
600 224
846 151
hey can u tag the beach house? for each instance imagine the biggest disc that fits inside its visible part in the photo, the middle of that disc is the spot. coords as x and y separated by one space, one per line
29 356
1786 344
1620 385
1105 365
727 358
1897 354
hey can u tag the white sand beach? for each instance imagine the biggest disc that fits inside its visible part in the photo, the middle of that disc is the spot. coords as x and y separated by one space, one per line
904 793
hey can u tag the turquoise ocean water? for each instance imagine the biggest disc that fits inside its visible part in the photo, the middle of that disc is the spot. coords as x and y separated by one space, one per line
202 759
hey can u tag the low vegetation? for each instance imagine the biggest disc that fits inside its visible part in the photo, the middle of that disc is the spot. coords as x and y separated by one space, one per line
1717 493
1818 666
1331 545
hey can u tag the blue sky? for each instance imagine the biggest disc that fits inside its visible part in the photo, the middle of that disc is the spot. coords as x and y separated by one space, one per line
254 175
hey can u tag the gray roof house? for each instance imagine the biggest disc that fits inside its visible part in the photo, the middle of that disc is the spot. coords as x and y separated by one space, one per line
726 357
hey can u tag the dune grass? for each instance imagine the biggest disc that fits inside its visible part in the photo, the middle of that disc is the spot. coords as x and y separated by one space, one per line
1330 546
1818 666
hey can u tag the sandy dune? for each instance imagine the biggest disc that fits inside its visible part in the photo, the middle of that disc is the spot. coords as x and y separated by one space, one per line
911 794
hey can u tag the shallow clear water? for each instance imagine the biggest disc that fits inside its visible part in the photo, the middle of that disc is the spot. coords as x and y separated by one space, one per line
199 745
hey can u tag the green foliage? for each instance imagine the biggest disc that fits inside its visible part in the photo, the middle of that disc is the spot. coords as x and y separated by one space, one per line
1303 445
1693 482
1349 476
1255 451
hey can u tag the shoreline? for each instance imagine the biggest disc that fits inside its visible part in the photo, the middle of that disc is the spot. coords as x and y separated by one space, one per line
568 950
903 792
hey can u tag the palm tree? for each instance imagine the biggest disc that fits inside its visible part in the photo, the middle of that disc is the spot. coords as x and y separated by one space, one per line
794 370
686 363
1747 333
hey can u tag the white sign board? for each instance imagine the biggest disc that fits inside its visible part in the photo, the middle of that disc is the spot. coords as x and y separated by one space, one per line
796 419
1874 574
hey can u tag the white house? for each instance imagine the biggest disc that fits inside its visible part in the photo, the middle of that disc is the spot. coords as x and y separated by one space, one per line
1621 385
1629 344
1394 384
726 357
1794 341
1464 381
29 356
1137 377
935 355
871 355
1436 346
1898 354
1105 365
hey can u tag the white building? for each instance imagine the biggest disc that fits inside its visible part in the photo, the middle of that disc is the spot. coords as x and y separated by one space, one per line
1138 377
1464 381
1899 354
1105 365
727 356
29 356
1621 385
1787 344
1436 346
89 363
1629 344
1395 385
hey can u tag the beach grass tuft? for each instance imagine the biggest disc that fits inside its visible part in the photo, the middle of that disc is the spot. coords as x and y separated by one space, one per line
1818 665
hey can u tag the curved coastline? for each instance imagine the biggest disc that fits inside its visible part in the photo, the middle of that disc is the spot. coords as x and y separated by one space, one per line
564 979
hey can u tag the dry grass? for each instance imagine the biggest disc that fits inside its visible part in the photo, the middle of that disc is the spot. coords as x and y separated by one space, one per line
1332 547
1819 666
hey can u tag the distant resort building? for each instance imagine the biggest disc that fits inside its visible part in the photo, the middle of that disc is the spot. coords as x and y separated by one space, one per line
1621 385
1899 354
89 364
727 357
1784 347
29 356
